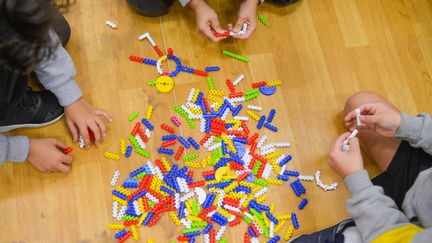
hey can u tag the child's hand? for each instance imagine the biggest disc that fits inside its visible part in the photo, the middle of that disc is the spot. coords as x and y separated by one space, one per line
377 117
206 20
80 116
247 14
346 163
47 156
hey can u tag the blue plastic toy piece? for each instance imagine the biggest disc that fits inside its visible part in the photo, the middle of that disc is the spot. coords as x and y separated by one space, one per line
267 90
212 69
147 124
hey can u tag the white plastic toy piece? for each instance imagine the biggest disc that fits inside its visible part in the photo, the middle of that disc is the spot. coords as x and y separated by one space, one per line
148 37
238 79
115 209
254 107
115 178
358 114
81 141
282 145
272 229
322 185
345 144
111 24
305 178
201 194
220 233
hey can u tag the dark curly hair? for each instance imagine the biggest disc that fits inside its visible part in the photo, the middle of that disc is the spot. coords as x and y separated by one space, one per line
25 32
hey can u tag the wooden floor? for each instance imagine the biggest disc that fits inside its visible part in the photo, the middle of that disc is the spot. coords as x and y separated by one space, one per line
324 51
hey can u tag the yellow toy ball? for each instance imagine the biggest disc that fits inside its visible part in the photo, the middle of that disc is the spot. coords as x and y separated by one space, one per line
164 84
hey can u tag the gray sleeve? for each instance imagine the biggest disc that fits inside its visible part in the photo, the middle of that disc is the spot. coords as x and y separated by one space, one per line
417 130
184 2
373 212
57 75
423 237
14 149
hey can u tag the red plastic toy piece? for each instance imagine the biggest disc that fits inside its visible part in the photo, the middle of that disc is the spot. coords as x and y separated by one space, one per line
200 73
179 153
259 84
230 86
167 128
136 59
67 150
124 237
168 143
159 52
135 129
170 51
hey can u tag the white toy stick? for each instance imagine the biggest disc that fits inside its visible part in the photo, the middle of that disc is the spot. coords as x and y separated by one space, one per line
345 144
111 24
358 114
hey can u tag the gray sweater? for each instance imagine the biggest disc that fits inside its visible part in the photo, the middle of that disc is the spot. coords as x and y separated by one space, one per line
376 215
57 75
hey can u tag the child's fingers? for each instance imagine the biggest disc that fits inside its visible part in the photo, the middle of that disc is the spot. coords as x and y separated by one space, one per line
214 23
104 114
101 126
73 130
369 119
239 24
63 168
96 131
67 159
350 116
354 144
337 147
209 33
60 144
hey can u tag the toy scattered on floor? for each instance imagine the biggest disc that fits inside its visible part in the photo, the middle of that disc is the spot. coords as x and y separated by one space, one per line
242 168
345 144
263 19
165 84
322 185
133 116
111 24
236 56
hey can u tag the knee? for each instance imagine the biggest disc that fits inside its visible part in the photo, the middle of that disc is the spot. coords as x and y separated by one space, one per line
150 8
359 98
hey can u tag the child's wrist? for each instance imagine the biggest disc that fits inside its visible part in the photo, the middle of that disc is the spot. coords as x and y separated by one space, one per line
195 4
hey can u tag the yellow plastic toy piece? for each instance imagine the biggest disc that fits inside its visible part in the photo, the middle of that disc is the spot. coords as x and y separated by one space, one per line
111 155
175 218
135 235
252 115
194 218
275 166
231 187
195 95
116 226
151 241
165 163
228 142
225 213
218 105
274 181
149 112
273 155
123 190
191 164
216 92
284 217
122 147
274 83
215 99
262 199
195 111
141 204
164 84
221 172
236 195
272 208
288 232
119 200
279 226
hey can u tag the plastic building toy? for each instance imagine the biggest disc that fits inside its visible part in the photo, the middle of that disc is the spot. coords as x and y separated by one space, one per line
267 90
236 56
303 203
67 150
358 115
263 19
322 185
110 155
212 69
232 180
149 111
133 115
345 144
111 24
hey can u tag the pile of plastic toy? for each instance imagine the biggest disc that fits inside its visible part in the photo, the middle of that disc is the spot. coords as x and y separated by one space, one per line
235 177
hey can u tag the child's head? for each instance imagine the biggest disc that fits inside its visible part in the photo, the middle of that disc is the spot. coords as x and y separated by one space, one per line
24 33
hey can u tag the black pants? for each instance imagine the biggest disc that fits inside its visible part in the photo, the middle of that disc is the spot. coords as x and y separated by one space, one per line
13 86
155 8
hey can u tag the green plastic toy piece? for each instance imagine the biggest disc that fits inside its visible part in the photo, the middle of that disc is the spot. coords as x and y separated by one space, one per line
235 55
263 19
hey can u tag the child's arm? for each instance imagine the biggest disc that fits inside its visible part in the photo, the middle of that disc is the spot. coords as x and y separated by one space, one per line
375 214
45 154
394 124
57 74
